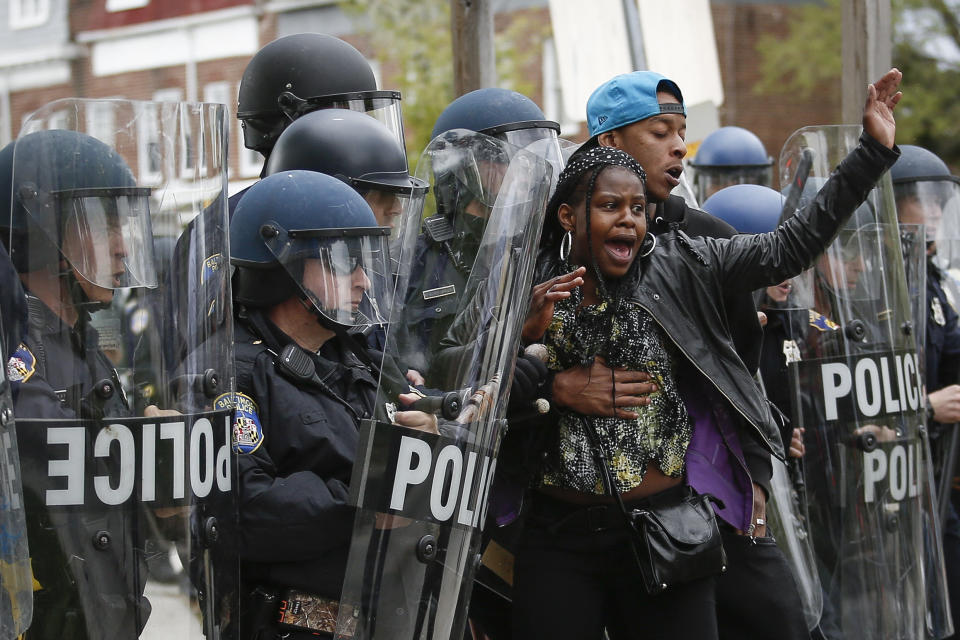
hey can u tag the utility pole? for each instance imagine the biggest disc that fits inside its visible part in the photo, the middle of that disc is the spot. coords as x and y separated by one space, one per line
474 59
866 51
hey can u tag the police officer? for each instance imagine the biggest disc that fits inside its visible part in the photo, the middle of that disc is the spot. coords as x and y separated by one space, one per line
927 193
362 152
307 251
466 188
728 156
305 72
77 231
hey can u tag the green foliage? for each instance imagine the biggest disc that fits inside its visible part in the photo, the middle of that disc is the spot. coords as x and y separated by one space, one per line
810 57
412 41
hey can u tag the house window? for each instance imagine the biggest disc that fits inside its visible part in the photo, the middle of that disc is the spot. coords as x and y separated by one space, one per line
123 5
28 13
102 122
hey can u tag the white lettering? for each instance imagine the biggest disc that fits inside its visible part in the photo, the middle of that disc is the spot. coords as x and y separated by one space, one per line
892 405
449 456
128 464
406 474
865 368
175 431
836 384
201 483
482 492
874 470
70 467
148 492
465 516
224 459
909 371
898 363
898 473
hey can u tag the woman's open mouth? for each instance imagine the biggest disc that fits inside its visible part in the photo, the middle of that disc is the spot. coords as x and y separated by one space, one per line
621 248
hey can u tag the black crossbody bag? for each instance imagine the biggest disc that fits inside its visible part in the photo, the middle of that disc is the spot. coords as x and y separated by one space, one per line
674 537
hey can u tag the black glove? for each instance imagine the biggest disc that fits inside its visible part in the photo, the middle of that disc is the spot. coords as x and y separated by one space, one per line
529 378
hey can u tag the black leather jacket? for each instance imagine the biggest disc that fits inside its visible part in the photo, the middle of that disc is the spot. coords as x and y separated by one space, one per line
684 281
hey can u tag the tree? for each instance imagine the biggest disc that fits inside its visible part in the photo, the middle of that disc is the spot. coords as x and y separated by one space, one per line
412 40
926 48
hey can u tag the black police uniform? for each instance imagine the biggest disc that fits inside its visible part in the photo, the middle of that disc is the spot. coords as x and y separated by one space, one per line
90 574
296 457
942 354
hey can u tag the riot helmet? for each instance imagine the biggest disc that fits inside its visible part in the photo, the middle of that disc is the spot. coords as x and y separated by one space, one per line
730 155
307 234
927 193
305 72
505 115
73 201
356 149
748 208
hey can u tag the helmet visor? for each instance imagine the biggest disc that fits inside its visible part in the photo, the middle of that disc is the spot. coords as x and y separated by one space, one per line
540 141
709 180
107 237
381 105
342 272
933 203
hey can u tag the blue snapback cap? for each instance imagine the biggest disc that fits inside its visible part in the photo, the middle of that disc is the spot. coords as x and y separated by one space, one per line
629 98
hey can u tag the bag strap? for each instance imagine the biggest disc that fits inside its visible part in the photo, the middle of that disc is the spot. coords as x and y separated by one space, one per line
600 458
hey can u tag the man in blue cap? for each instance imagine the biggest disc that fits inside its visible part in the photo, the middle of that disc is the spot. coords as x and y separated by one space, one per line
642 113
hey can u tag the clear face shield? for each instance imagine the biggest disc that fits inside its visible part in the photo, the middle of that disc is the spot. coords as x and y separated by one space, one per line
381 105
540 140
391 205
468 179
344 273
107 236
708 180
935 204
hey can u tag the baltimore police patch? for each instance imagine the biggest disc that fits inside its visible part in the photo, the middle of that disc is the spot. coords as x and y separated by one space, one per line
247 430
211 266
21 365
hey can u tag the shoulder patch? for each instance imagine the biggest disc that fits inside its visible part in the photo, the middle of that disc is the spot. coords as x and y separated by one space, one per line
822 322
21 365
211 267
247 430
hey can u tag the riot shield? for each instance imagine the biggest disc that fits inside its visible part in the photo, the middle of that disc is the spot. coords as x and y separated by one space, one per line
913 243
124 434
421 498
858 392
16 584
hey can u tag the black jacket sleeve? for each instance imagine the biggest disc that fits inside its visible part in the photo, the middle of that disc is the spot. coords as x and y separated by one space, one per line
749 262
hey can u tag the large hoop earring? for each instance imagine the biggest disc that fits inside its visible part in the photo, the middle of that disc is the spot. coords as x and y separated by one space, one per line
653 245
566 243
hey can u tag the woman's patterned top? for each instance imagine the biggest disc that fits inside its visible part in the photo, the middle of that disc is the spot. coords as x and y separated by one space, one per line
660 434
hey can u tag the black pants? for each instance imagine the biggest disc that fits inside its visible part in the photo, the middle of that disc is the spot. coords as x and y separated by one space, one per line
573 581
757 596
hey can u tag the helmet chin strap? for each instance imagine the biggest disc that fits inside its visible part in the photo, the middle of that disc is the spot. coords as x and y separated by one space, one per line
79 298
356 344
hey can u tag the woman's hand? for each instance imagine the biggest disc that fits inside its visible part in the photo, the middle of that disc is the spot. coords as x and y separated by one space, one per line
588 390
542 300
882 98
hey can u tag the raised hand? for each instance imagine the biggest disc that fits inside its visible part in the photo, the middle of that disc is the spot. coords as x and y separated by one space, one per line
882 98
542 299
